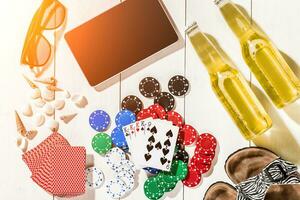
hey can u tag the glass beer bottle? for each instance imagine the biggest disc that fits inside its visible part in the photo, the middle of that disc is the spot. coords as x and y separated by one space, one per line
231 87
261 55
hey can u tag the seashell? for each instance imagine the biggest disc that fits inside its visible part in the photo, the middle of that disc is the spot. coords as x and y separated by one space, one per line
36 93
39 102
39 120
67 118
59 104
67 94
30 83
27 110
48 109
54 88
20 126
47 81
31 134
22 143
48 95
52 124
80 101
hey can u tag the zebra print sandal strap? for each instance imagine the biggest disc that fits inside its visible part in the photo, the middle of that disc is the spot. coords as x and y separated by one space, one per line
277 172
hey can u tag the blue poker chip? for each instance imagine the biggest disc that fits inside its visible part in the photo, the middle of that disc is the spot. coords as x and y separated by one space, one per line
124 118
99 120
118 137
152 170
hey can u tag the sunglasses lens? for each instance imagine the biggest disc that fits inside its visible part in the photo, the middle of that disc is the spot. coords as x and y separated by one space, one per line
54 16
38 52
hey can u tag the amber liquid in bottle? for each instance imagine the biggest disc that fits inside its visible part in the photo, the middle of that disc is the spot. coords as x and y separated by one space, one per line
263 58
231 87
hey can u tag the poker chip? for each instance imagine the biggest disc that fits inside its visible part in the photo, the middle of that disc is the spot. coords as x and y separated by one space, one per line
188 134
207 152
152 170
178 172
116 188
132 103
152 189
99 120
101 143
178 85
182 155
167 187
94 177
193 178
198 161
145 113
126 165
124 118
149 87
127 178
200 167
118 137
158 110
166 100
115 157
175 118
206 144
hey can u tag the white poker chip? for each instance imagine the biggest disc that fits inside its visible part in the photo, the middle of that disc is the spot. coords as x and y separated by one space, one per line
94 177
127 166
128 180
116 188
114 157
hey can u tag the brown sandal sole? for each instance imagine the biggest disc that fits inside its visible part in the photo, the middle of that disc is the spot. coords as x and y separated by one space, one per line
220 191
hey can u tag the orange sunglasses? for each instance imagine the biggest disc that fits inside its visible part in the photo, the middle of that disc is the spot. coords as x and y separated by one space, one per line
37 49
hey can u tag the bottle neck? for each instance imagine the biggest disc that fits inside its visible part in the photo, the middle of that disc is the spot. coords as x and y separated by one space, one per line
234 17
206 51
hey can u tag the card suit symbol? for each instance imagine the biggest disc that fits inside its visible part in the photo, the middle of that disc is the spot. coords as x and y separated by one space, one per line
165 151
147 156
169 134
149 147
167 143
153 130
163 160
151 139
158 146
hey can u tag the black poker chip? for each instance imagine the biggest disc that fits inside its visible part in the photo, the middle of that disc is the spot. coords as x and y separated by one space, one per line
166 100
182 155
149 87
178 85
132 103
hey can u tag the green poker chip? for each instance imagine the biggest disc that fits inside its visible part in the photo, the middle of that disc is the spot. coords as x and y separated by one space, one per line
101 143
167 187
178 172
152 189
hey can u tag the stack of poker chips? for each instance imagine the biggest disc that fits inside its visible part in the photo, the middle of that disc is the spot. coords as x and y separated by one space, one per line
156 186
202 160
57 167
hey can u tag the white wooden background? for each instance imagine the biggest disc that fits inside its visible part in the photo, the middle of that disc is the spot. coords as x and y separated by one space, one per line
278 18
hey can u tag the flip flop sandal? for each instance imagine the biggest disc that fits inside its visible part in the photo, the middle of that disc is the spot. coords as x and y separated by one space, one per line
220 191
260 174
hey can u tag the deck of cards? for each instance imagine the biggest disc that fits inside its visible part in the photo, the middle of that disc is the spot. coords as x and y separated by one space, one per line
152 143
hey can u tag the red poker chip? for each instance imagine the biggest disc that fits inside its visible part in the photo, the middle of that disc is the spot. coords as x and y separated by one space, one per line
206 141
158 110
205 157
188 134
206 152
175 118
145 113
193 177
198 159
200 167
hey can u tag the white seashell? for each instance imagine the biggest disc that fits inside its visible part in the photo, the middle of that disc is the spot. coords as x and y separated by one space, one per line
59 104
80 101
48 109
67 94
39 119
36 93
39 102
67 118
22 143
52 124
27 110
48 95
